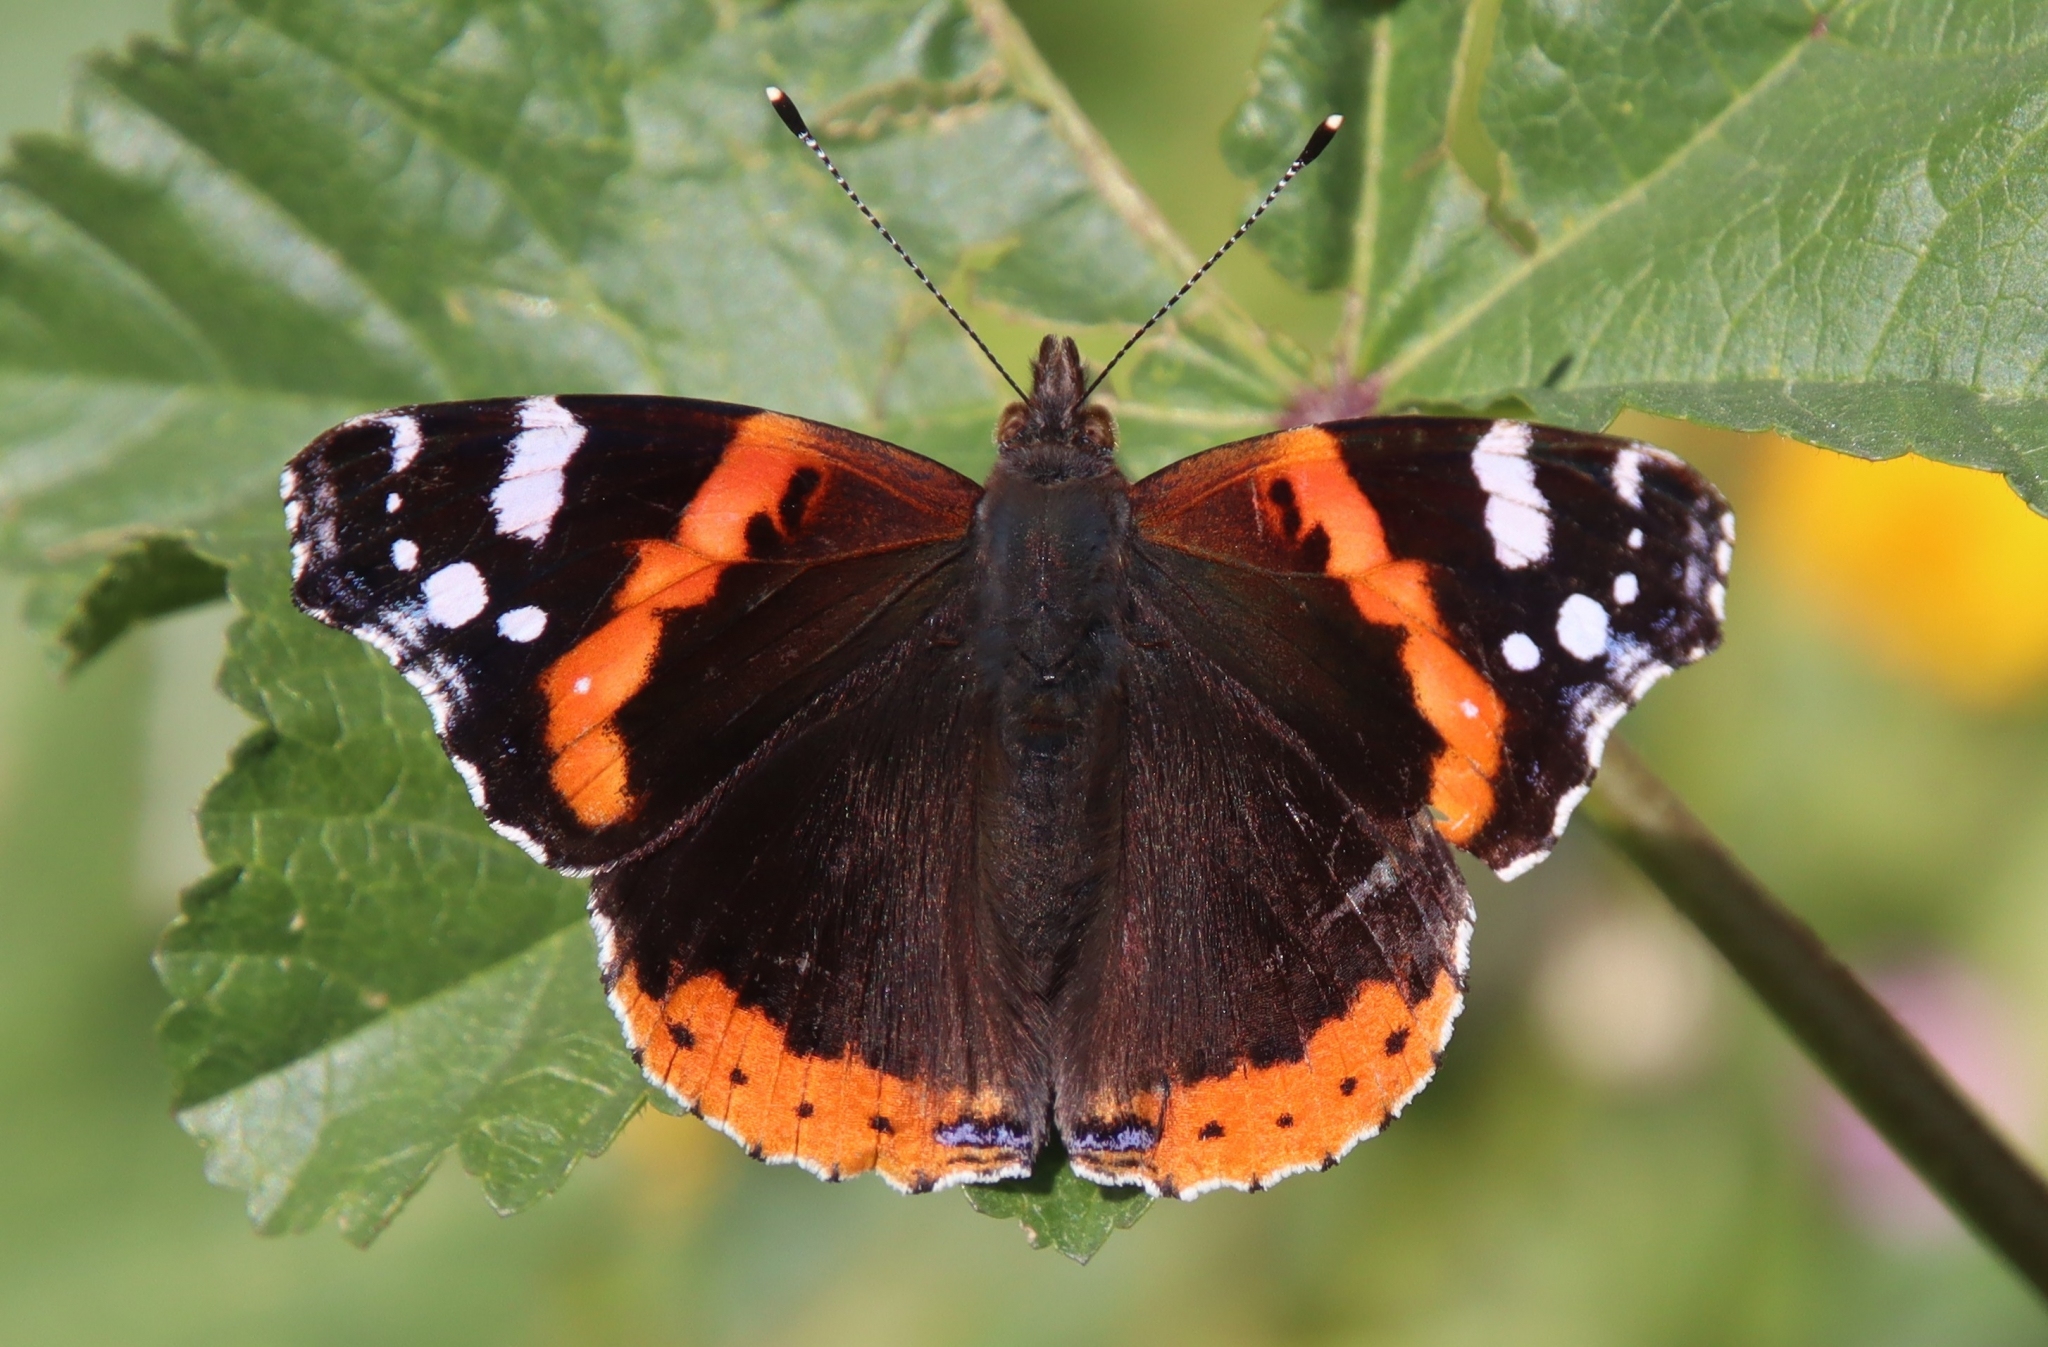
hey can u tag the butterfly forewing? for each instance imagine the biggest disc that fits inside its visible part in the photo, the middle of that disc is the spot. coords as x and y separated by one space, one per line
1494 592
611 602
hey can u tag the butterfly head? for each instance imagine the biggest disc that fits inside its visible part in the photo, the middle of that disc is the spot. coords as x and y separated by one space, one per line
1057 422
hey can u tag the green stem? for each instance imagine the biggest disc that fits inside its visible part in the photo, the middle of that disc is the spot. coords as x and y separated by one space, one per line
1873 1060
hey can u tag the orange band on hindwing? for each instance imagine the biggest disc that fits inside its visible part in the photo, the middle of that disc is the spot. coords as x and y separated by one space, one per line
1309 489
835 1116
1255 1127
586 687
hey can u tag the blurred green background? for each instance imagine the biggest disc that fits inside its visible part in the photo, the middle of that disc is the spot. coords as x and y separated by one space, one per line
1619 1148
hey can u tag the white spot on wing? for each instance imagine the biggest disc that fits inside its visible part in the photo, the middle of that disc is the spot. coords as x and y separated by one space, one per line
405 440
1520 652
1724 555
1517 516
1627 476
1635 538
302 555
1522 865
1521 533
1717 600
287 484
1511 438
1582 627
293 512
455 594
530 492
522 624
1728 527
405 554
392 502
1469 710
1625 589
582 684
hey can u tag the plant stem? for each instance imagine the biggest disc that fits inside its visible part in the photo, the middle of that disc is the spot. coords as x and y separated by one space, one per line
1872 1059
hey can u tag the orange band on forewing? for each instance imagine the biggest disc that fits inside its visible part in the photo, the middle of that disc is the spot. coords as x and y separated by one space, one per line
1261 1124
586 687
1451 695
836 1116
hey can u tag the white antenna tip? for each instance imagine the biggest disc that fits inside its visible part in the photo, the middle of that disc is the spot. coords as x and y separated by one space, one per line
1333 121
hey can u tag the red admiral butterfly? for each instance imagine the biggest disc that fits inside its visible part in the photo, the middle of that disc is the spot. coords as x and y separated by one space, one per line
926 820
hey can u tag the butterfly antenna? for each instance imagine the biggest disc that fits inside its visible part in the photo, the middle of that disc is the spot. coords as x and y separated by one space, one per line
1318 141
785 108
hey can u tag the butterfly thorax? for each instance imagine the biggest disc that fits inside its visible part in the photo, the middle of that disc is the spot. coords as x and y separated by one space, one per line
1050 545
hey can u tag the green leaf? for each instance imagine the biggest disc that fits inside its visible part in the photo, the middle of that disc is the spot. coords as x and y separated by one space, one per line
1061 1210
371 976
297 212
154 578
1707 210
93 469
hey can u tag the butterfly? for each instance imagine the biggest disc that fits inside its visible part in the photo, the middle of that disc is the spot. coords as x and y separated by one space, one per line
931 822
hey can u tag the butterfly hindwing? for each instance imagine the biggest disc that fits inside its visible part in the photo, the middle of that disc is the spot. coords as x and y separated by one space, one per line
610 602
1529 583
812 966
1276 968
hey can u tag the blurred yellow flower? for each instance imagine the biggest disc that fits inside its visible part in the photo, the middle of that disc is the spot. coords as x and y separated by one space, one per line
1940 571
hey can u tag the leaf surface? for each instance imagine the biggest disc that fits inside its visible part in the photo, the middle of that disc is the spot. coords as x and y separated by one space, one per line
371 975
1705 209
